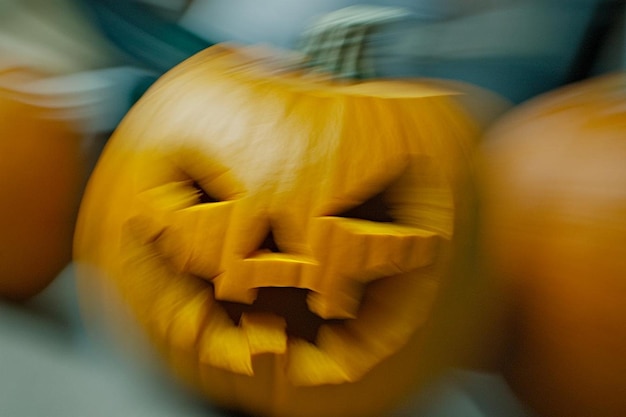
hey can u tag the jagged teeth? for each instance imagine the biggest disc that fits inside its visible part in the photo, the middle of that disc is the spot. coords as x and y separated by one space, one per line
266 332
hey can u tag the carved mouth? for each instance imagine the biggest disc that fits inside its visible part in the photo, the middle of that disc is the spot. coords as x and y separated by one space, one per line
286 302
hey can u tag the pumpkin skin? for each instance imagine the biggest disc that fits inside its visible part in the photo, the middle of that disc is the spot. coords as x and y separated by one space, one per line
554 235
229 181
42 174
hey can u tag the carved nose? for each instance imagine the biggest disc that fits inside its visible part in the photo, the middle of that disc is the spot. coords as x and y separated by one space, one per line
266 265
240 282
269 244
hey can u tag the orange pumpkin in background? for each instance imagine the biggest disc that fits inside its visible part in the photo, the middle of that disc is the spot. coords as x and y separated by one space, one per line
283 240
554 235
42 173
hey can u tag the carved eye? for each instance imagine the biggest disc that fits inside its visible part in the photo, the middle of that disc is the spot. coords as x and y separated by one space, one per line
374 209
203 196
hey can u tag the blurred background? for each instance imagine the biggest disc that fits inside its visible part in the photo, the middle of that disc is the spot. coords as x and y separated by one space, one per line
73 68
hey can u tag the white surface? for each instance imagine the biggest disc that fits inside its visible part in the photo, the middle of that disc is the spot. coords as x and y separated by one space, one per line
51 367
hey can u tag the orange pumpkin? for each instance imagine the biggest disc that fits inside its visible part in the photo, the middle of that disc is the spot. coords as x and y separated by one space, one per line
554 234
42 172
282 239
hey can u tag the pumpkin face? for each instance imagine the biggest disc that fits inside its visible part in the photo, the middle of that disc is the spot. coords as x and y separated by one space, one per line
554 235
283 240
42 172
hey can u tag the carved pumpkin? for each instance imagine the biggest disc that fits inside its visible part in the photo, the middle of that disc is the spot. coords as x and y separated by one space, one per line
282 239
555 241
42 173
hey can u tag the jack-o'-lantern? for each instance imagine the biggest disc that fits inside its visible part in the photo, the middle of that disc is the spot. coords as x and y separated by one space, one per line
42 173
554 235
282 239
